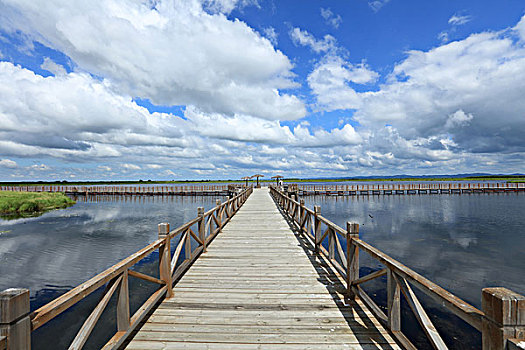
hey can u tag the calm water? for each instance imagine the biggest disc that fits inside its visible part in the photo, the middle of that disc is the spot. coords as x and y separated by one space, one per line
462 242
61 249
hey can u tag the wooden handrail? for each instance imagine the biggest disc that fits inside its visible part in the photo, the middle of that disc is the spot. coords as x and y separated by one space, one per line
310 222
117 275
460 308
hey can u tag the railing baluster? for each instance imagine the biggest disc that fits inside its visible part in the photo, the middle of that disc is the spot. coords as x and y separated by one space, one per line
217 212
123 304
393 303
165 258
187 246
91 321
352 257
201 224
331 244
317 227
422 317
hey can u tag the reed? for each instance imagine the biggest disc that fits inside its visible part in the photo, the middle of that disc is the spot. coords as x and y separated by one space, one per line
31 202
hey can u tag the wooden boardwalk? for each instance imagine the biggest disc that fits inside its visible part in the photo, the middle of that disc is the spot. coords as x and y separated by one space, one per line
259 286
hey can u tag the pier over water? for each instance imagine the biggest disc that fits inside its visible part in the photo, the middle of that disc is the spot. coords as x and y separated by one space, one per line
258 271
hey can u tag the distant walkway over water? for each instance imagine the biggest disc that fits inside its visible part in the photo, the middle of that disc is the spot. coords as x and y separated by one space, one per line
384 188
408 188
262 271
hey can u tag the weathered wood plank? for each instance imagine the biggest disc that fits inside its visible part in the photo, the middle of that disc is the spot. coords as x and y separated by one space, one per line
259 284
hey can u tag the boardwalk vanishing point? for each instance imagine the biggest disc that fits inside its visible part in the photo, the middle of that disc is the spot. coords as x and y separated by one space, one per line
262 271
260 286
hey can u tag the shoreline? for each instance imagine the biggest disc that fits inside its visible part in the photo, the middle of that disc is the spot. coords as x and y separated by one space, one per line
509 178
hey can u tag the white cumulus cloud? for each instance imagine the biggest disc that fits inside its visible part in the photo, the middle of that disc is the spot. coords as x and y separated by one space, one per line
330 79
206 59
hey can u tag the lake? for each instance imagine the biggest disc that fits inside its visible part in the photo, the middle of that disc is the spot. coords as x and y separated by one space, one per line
61 249
461 242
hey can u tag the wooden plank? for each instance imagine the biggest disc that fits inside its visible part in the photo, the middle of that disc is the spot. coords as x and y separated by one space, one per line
393 303
258 283
153 345
268 338
369 277
145 277
123 320
91 321
422 317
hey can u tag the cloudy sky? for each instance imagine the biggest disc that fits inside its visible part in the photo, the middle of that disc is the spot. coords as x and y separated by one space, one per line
218 89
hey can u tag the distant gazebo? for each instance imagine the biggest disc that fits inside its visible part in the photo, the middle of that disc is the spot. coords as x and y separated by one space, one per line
277 177
258 176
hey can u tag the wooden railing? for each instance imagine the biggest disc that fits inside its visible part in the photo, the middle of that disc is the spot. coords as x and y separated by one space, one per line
451 186
503 315
129 190
202 230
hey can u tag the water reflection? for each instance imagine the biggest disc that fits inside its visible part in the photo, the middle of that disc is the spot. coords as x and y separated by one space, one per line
461 242
65 247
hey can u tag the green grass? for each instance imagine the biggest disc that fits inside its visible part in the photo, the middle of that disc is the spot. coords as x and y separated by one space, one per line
12 203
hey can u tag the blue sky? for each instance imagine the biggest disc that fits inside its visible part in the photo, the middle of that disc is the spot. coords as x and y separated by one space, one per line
219 89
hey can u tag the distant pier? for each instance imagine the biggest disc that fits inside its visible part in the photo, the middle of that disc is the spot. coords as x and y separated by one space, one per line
204 190
301 190
404 189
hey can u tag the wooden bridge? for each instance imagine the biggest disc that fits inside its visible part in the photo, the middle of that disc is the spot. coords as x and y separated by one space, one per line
142 190
252 273
403 188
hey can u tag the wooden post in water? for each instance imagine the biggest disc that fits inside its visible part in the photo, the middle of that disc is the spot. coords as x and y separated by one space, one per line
14 318
165 258
352 257
202 224
317 227
504 318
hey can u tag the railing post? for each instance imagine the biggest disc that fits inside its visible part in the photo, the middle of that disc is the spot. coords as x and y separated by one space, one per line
165 258
393 302
14 318
202 224
217 212
331 244
317 227
301 214
352 257
123 320
504 317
